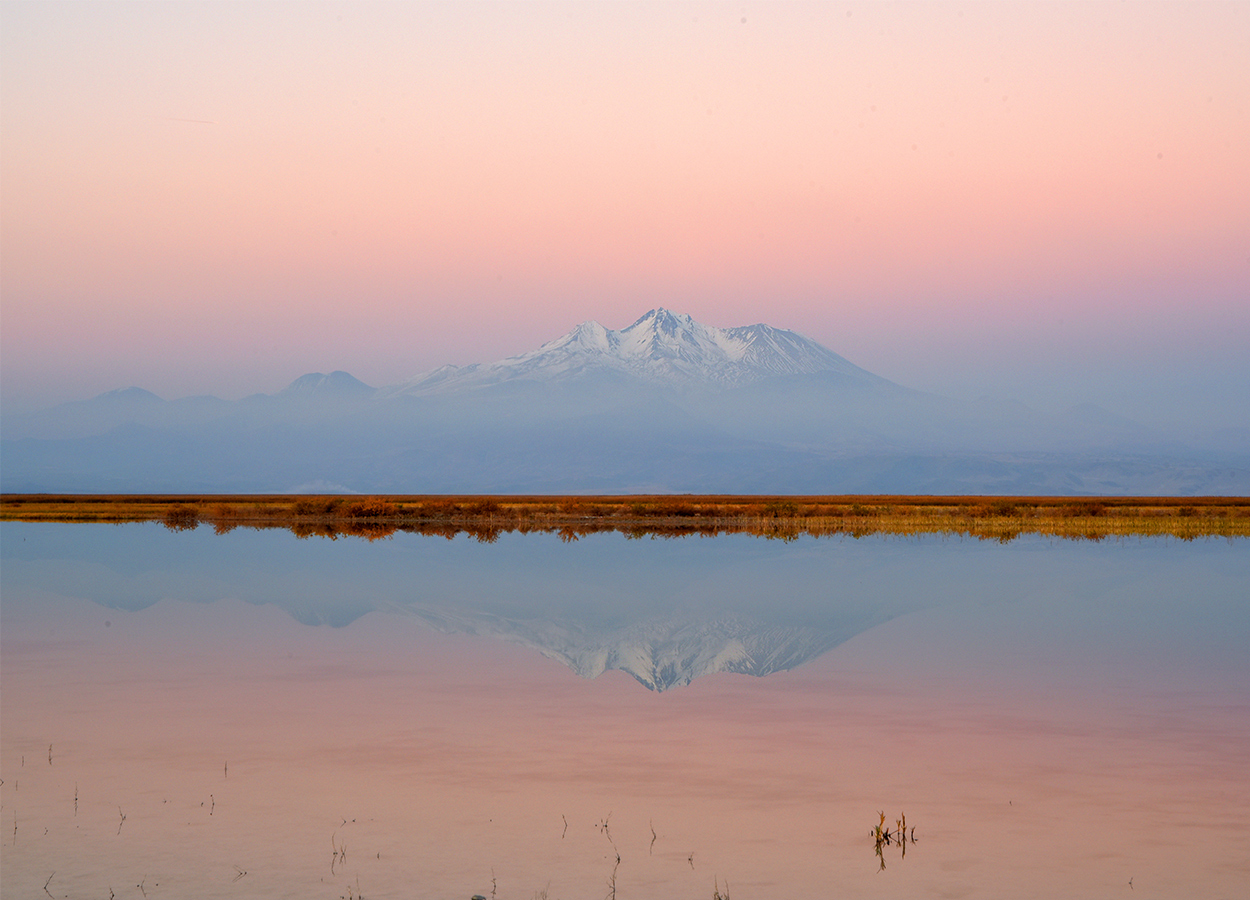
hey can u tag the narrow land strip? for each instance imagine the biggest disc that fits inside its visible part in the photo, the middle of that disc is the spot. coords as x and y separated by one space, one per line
486 517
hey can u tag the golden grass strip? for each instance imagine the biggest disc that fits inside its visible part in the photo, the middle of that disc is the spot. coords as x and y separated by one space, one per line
488 516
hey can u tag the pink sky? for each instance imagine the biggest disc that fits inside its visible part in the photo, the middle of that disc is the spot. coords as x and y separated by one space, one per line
1042 200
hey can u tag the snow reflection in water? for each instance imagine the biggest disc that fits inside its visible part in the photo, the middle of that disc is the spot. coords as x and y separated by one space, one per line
1018 702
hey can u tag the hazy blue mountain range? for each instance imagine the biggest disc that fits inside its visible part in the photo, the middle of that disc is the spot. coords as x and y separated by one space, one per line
664 405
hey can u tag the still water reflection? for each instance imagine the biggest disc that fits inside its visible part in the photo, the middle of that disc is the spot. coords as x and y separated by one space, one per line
253 715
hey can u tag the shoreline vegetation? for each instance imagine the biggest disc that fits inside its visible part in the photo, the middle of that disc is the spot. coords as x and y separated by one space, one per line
486 517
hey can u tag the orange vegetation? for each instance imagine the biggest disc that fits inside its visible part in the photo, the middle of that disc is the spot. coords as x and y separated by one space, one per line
486 517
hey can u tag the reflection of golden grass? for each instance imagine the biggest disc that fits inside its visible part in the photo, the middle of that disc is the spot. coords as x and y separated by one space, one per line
784 517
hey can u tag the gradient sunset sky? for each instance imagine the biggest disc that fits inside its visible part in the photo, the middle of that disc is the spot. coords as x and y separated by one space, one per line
1042 201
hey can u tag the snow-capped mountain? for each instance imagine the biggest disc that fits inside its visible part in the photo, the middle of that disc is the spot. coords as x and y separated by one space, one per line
661 347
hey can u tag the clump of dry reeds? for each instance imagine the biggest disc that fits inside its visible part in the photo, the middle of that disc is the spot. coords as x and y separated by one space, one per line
883 837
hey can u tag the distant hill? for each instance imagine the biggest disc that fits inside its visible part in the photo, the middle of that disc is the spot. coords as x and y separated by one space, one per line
336 385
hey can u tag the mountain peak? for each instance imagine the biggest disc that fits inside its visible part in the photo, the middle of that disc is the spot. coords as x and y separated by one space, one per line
665 321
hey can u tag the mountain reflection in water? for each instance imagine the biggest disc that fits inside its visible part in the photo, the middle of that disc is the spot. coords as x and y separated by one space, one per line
664 652
665 611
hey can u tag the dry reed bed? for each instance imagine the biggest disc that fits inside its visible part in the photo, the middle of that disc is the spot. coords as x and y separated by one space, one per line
486 517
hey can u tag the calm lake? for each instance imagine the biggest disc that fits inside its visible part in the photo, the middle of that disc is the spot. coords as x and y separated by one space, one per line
252 715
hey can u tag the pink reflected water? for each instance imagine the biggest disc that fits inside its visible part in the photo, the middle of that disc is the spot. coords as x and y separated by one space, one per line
225 750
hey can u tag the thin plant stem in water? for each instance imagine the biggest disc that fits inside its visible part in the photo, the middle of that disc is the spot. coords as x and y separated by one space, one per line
611 895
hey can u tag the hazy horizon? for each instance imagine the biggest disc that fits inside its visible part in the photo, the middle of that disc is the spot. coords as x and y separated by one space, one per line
1040 202
1185 395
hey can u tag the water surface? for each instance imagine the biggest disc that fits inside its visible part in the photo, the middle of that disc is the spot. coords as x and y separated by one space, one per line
418 717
